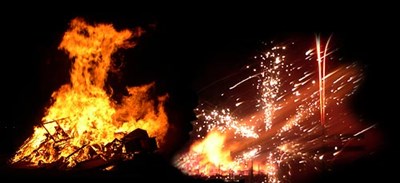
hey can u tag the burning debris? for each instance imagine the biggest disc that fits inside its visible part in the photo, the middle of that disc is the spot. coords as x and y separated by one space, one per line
136 142
93 130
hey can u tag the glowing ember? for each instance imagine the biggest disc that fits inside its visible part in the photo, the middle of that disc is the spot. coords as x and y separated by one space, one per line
270 120
83 118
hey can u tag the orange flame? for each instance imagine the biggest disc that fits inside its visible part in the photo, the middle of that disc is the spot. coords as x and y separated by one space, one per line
211 149
89 117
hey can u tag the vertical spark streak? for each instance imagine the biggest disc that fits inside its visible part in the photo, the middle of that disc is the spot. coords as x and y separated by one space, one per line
323 78
322 74
321 102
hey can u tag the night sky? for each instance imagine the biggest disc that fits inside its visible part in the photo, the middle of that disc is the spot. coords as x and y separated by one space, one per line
184 50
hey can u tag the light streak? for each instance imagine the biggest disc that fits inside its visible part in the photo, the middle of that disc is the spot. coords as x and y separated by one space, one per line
321 74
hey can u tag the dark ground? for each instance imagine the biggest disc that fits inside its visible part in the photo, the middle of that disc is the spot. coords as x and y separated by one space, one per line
186 49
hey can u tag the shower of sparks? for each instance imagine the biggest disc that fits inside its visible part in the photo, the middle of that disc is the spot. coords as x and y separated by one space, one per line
268 120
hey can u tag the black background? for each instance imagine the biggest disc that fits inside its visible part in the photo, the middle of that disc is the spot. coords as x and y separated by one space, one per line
184 49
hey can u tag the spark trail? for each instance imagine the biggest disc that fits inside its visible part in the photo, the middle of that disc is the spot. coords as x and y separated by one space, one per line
321 74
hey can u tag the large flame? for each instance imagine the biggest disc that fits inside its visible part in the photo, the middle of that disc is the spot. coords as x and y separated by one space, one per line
89 117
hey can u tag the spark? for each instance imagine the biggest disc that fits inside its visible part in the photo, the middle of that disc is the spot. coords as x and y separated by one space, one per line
364 130
244 80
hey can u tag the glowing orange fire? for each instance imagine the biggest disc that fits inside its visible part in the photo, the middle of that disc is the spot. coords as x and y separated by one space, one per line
90 119
212 154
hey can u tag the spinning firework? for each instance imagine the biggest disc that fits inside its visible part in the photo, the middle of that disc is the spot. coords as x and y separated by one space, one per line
280 117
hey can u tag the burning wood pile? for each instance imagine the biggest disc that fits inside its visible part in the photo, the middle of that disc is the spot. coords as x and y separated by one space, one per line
134 143
98 130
